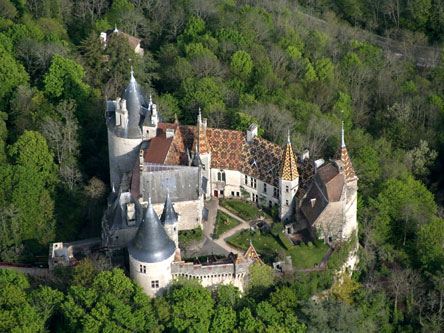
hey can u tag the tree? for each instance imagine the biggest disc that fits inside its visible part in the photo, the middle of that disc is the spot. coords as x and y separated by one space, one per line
65 80
390 203
192 307
61 134
430 245
241 64
112 303
260 278
12 73
224 319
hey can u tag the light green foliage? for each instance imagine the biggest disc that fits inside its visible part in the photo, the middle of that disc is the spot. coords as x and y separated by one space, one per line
344 109
400 202
194 27
366 164
293 52
12 73
315 43
31 152
228 295
112 303
65 79
310 73
192 308
224 319
261 277
232 35
19 32
324 69
241 64
206 92
350 62
430 245
241 122
23 310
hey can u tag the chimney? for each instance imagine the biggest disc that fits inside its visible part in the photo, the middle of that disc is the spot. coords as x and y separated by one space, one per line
251 133
305 155
169 133
204 123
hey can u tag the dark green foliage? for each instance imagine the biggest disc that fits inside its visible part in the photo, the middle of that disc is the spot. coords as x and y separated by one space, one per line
188 236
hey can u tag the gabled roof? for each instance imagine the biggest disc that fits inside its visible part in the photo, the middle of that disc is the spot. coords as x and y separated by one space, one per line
133 41
288 169
251 254
151 243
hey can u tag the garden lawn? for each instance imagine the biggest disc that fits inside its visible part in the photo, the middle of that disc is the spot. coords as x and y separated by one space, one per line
245 210
224 222
269 246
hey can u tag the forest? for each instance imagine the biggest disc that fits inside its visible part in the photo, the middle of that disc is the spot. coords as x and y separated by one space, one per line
241 62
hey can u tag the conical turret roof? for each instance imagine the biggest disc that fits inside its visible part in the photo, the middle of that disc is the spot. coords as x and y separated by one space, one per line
169 215
151 243
342 155
196 159
135 100
289 169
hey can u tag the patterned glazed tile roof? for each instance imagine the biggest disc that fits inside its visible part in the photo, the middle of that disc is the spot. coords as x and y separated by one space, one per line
229 150
342 155
259 159
289 169
251 254
204 147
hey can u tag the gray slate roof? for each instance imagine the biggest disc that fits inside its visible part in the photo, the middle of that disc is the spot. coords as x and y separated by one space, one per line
168 216
151 243
137 107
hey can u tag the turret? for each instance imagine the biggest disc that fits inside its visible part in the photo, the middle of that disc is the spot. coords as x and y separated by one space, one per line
288 183
124 118
349 209
169 221
151 254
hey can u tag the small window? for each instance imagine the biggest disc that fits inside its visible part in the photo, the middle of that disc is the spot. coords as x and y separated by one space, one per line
251 182
223 176
286 189
174 228
144 269
219 176
246 180
222 193
265 188
232 193
140 269
237 194
286 202
275 192
270 204
155 284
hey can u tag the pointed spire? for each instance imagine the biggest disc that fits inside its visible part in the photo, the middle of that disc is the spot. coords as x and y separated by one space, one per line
201 135
342 136
132 74
169 215
151 99
176 120
342 155
151 243
289 169
196 159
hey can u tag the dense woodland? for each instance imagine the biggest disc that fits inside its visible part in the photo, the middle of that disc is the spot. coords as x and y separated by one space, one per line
241 62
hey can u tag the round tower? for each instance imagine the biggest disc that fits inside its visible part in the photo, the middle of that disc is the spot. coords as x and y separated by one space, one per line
125 116
151 254
169 221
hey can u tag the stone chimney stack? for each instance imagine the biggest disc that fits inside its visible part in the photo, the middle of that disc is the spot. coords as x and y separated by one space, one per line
251 133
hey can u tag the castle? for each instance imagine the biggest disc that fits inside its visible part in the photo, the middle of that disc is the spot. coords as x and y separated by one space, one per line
170 169
162 174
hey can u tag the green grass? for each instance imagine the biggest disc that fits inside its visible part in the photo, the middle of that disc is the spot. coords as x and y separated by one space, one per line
188 236
269 247
224 222
245 210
